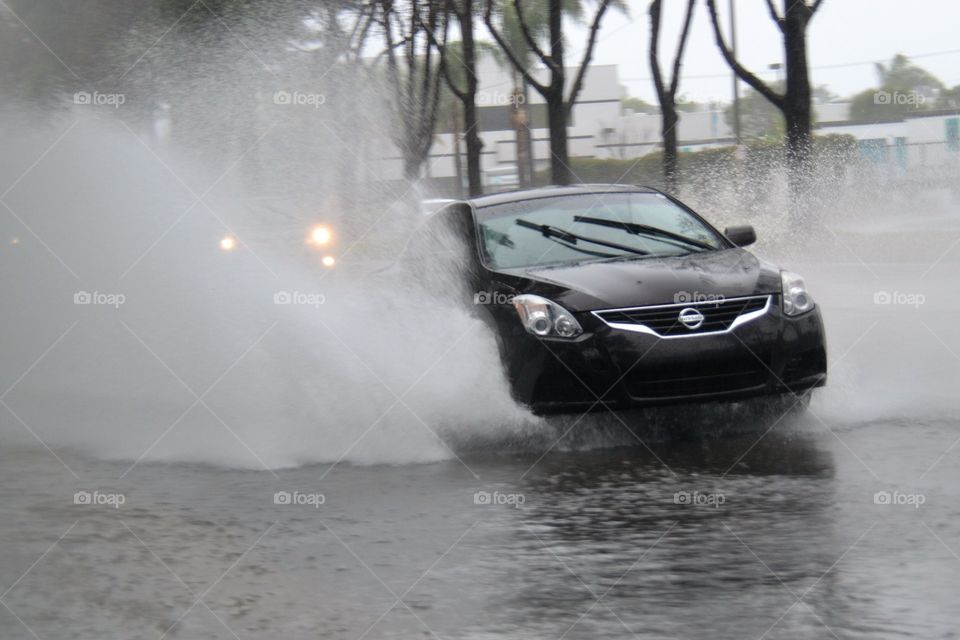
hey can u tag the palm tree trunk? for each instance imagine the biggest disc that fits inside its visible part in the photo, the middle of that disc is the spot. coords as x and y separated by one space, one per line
520 119
457 159
471 121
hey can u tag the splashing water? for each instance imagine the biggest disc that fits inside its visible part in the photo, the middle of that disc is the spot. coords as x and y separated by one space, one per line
254 356
164 301
261 357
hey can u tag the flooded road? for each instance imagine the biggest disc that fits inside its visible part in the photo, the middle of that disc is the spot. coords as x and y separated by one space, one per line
730 536
156 484
843 521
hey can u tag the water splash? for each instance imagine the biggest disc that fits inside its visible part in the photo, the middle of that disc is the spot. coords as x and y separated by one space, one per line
260 356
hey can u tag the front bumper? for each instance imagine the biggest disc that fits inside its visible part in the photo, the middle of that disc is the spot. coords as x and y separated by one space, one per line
771 355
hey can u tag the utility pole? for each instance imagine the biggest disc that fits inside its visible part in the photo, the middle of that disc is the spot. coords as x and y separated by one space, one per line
736 81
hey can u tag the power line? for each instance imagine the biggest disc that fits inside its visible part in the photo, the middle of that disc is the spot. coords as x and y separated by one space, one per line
842 65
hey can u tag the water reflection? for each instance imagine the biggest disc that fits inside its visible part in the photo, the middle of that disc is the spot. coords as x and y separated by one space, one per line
682 539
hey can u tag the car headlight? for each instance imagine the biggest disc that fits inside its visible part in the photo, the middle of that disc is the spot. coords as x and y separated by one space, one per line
546 319
796 300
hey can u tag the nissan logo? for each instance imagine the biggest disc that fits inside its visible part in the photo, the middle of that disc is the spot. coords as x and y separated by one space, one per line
691 318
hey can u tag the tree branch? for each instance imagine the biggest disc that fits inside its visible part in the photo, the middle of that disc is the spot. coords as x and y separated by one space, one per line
427 57
816 5
359 38
775 16
678 60
392 67
391 45
361 27
654 50
758 85
587 56
461 95
531 42
519 66
430 84
430 120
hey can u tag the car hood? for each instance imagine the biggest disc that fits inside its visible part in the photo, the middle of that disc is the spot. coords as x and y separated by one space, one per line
590 286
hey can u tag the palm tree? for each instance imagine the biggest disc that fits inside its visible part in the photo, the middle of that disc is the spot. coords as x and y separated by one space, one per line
794 102
667 89
459 67
460 73
550 52
535 16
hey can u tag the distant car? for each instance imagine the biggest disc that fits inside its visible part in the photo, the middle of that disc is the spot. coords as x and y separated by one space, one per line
625 297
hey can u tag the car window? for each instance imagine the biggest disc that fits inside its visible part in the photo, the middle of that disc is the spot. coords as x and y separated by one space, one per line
605 225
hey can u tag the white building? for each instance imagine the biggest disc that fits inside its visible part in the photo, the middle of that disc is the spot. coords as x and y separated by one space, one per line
600 128
595 117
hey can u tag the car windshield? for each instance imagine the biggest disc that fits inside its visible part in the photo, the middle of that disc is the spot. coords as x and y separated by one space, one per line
599 226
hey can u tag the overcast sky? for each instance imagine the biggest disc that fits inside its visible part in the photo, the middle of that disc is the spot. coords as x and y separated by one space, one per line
844 32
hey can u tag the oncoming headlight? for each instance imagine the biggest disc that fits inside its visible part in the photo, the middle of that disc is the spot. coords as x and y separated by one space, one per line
546 319
796 300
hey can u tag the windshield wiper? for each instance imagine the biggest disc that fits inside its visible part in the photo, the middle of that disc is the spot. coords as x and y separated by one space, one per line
637 229
595 254
556 232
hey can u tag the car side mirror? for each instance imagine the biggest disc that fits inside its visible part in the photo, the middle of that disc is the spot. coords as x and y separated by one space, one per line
741 236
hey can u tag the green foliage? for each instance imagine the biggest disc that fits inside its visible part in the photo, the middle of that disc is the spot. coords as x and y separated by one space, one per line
759 118
646 170
832 153
903 75
689 106
637 105
904 88
455 66
949 98
864 108
822 93
536 16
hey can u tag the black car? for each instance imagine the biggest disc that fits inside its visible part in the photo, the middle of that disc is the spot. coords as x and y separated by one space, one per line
618 296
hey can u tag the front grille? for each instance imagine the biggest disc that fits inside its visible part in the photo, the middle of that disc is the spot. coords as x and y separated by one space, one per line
664 320
698 378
